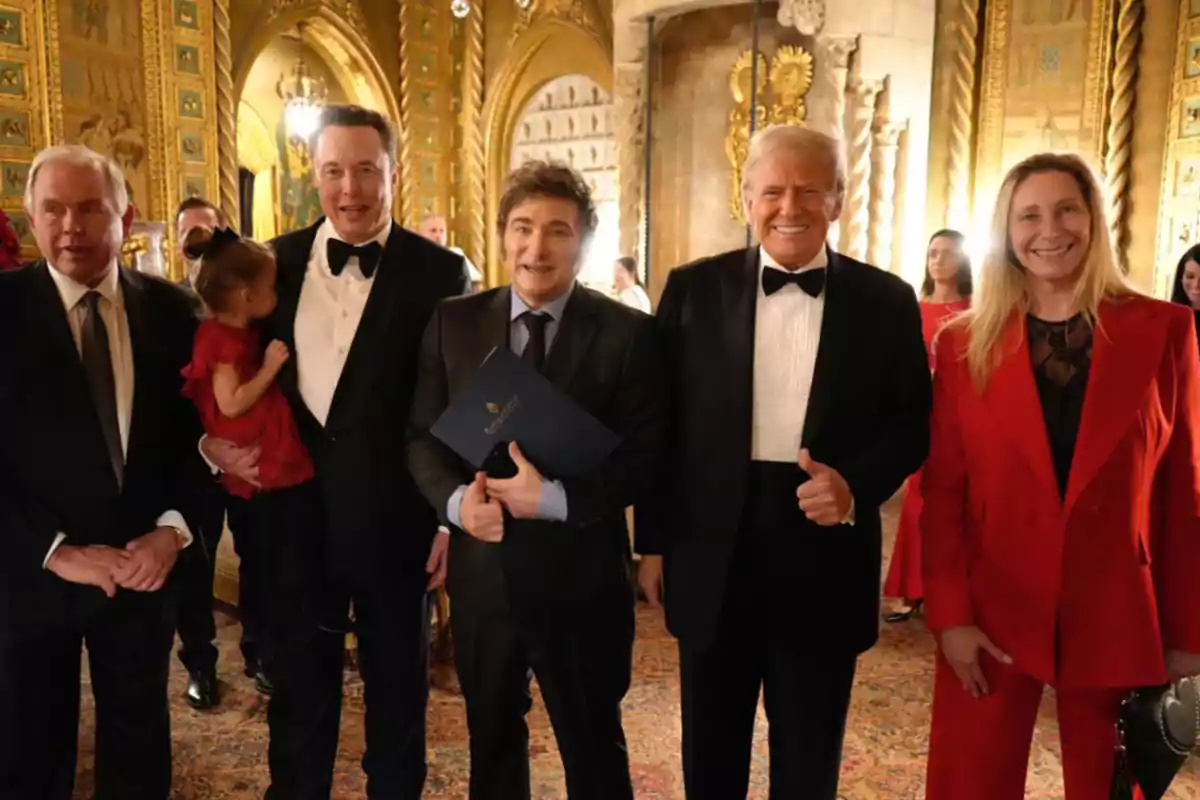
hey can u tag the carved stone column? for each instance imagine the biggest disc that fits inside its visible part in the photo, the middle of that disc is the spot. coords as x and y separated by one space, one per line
806 16
856 212
629 85
962 115
836 52
1118 160
885 143
227 163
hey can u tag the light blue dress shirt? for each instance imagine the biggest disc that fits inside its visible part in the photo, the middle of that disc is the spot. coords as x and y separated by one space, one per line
553 504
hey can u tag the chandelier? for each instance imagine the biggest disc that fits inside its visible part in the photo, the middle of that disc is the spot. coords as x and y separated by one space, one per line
303 94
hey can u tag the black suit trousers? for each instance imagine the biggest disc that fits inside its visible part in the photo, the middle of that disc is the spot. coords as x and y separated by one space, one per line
805 686
582 665
304 657
128 643
194 599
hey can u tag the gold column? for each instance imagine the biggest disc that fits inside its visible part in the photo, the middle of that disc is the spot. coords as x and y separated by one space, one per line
629 82
885 138
405 201
1120 124
472 122
858 192
965 27
226 116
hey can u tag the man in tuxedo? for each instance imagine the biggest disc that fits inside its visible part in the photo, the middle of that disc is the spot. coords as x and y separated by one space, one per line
433 228
767 524
355 293
540 568
97 471
194 599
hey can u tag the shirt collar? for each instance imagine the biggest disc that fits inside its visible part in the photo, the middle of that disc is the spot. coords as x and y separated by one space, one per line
327 232
71 291
821 259
554 308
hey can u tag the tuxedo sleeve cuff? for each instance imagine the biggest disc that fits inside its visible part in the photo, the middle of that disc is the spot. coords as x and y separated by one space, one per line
58 540
553 504
452 506
200 447
173 519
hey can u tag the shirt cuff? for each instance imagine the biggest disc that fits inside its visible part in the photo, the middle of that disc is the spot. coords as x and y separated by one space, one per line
849 520
59 539
215 469
553 503
173 519
452 506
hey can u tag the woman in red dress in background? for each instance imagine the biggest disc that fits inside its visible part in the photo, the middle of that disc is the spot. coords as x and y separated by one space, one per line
945 291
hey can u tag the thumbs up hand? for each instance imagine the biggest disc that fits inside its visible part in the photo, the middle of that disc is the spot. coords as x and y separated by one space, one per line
825 497
521 494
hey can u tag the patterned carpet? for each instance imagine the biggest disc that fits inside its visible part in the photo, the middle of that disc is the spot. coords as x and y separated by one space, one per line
222 754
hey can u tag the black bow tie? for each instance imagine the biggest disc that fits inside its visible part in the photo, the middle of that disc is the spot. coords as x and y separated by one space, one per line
339 252
812 281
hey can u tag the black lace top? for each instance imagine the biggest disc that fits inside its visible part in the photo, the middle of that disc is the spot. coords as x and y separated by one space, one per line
1061 353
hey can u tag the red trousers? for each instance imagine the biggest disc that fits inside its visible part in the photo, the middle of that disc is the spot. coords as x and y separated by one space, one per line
979 748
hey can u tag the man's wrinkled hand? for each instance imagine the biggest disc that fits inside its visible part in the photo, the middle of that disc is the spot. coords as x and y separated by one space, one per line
521 494
151 558
481 517
650 578
825 497
95 565
439 553
240 462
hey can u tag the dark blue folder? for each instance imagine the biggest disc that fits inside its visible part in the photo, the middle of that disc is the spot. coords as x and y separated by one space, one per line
506 400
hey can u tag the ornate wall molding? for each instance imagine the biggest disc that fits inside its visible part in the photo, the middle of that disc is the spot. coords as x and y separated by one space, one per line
885 141
581 13
152 48
965 26
1118 158
227 156
405 203
838 50
629 108
855 235
348 10
806 16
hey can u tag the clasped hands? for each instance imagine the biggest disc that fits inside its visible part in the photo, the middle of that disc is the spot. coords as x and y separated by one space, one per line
141 566
482 507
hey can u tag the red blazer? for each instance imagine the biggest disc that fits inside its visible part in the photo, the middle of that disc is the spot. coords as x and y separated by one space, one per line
1085 592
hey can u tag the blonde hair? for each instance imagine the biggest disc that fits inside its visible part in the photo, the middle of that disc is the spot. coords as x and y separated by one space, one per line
1003 287
796 140
80 156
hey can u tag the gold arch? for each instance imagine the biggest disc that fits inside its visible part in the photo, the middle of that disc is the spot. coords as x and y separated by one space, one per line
548 49
346 52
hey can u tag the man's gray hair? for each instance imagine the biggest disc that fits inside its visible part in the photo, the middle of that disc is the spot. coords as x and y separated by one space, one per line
80 156
797 140
428 215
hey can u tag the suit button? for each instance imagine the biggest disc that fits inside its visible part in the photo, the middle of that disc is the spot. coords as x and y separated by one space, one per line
333 440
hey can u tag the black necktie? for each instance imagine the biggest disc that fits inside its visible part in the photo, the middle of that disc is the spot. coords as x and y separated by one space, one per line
97 362
534 353
812 281
339 252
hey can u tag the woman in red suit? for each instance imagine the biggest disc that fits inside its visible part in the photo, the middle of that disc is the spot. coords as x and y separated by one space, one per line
945 291
1061 530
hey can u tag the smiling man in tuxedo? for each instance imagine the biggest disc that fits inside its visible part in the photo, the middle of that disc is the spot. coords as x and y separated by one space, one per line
96 473
768 523
540 568
355 293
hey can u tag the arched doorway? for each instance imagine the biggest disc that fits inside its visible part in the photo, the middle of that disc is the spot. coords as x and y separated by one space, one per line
569 120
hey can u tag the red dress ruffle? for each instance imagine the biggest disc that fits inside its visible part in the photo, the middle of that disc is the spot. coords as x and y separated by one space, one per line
269 424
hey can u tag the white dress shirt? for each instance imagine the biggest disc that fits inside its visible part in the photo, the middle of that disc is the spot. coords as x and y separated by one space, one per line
120 345
787 333
327 318
635 297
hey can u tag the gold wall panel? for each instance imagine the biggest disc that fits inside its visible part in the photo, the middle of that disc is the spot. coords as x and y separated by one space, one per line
1044 86
24 127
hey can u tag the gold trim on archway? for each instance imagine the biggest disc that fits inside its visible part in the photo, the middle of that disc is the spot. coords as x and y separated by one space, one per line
549 49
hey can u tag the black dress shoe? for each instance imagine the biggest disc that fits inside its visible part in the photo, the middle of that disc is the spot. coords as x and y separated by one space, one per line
904 616
202 691
261 682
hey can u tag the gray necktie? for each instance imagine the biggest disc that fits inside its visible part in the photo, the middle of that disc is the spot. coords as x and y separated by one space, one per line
97 362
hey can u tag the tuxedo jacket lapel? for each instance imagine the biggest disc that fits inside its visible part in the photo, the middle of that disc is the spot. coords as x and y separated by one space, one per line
570 345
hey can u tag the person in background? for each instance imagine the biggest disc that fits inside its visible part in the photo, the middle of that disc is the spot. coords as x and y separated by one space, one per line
97 477
194 598
945 291
1185 290
10 245
540 567
629 286
800 403
1061 530
433 227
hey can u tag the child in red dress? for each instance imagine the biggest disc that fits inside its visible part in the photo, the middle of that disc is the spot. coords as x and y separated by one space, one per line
945 292
230 379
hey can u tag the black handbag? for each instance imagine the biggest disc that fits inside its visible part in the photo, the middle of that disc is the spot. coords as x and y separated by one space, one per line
1156 730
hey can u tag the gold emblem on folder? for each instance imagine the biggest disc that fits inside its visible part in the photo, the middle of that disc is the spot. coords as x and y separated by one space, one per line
493 408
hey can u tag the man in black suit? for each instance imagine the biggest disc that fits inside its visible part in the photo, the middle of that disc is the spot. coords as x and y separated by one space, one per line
355 293
540 569
194 597
801 403
97 470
